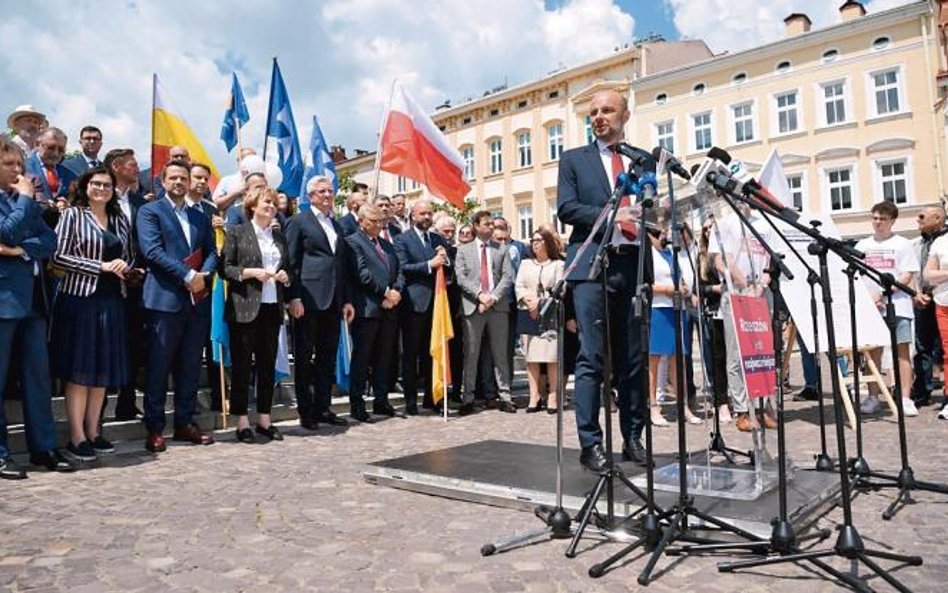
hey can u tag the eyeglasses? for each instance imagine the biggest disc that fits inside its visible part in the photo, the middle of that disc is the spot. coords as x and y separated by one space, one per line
537 240
101 184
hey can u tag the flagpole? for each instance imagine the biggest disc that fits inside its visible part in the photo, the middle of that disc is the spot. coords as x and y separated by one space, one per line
444 376
220 370
266 131
154 101
378 147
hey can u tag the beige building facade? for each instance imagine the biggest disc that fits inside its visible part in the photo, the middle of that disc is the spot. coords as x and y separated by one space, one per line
855 111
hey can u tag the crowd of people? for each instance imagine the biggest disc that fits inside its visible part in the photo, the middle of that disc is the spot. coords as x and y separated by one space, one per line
106 273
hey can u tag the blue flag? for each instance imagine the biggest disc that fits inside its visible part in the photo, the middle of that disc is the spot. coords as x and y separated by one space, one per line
220 336
343 357
322 164
236 115
282 127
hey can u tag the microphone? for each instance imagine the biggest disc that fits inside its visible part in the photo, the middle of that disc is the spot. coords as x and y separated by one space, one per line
671 163
742 181
638 156
646 187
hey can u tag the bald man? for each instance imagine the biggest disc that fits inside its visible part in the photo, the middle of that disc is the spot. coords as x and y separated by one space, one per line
587 176
931 225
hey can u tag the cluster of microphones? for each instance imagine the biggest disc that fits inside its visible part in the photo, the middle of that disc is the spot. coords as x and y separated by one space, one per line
717 173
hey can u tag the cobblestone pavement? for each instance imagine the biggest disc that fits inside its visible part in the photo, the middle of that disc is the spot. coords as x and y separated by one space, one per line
298 516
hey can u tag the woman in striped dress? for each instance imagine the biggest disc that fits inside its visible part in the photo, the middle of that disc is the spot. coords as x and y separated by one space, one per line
88 329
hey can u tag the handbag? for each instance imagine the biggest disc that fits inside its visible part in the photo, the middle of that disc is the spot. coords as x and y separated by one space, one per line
527 325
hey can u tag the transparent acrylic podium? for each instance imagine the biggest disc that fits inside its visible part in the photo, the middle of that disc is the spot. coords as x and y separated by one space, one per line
724 481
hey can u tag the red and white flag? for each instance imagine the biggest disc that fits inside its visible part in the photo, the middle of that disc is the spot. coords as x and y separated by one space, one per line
412 146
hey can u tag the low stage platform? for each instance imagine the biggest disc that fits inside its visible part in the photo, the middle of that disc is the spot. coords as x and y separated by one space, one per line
522 476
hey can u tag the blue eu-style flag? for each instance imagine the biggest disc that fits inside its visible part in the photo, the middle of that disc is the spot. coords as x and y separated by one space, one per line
282 127
343 357
322 164
236 115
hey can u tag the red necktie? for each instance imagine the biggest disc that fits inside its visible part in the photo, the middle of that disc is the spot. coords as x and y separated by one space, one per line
378 249
485 278
52 180
629 230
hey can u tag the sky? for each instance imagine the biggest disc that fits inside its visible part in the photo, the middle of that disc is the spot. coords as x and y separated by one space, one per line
91 61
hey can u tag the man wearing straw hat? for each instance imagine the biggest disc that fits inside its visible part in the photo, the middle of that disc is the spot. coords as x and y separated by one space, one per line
27 123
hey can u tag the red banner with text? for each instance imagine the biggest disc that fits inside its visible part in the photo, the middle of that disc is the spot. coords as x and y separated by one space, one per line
755 339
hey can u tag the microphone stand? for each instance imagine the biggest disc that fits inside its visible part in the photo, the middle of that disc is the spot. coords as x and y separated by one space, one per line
783 539
858 465
678 515
849 543
905 481
608 476
557 522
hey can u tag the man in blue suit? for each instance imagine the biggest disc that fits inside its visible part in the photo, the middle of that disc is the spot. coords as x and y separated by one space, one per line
90 138
25 240
50 177
586 179
319 258
177 245
420 254
377 291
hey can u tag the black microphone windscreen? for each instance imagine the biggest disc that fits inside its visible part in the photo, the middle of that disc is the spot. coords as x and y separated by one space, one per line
719 154
657 153
694 169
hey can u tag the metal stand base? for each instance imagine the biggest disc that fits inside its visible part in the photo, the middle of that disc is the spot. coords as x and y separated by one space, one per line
905 482
558 526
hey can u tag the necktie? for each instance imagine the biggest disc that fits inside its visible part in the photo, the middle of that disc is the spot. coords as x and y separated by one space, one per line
52 180
385 234
93 164
629 231
378 249
424 239
485 273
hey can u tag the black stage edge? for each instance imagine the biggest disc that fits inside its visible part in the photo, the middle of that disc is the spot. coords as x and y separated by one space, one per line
518 475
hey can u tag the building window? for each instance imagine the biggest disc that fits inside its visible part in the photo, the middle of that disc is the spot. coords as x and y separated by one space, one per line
743 122
886 87
521 104
552 94
466 121
830 55
401 184
795 182
467 154
555 134
524 154
834 102
494 112
665 133
840 182
661 98
698 89
739 78
559 225
784 67
893 178
702 126
496 156
414 184
880 42
525 217
588 129
787 114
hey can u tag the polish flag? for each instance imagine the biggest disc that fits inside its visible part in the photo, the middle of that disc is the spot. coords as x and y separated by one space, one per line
412 146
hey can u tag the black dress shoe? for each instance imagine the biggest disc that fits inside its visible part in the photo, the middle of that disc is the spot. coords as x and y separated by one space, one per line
362 416
384 410
332 419
53 460
309 423
466 409
271 432
10 470
507 407
634 451
245 435
594 459
125 415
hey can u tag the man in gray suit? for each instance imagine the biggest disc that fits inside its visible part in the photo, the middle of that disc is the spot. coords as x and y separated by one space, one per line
485 276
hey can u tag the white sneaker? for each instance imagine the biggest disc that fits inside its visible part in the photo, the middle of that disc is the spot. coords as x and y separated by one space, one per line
870 405
943 415
908 408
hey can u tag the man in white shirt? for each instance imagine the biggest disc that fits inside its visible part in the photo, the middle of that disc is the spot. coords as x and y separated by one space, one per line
891 254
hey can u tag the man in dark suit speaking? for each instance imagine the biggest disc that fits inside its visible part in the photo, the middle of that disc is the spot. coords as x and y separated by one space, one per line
587 176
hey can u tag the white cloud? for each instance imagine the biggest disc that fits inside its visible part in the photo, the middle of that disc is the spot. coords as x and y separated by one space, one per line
91 62
730 25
